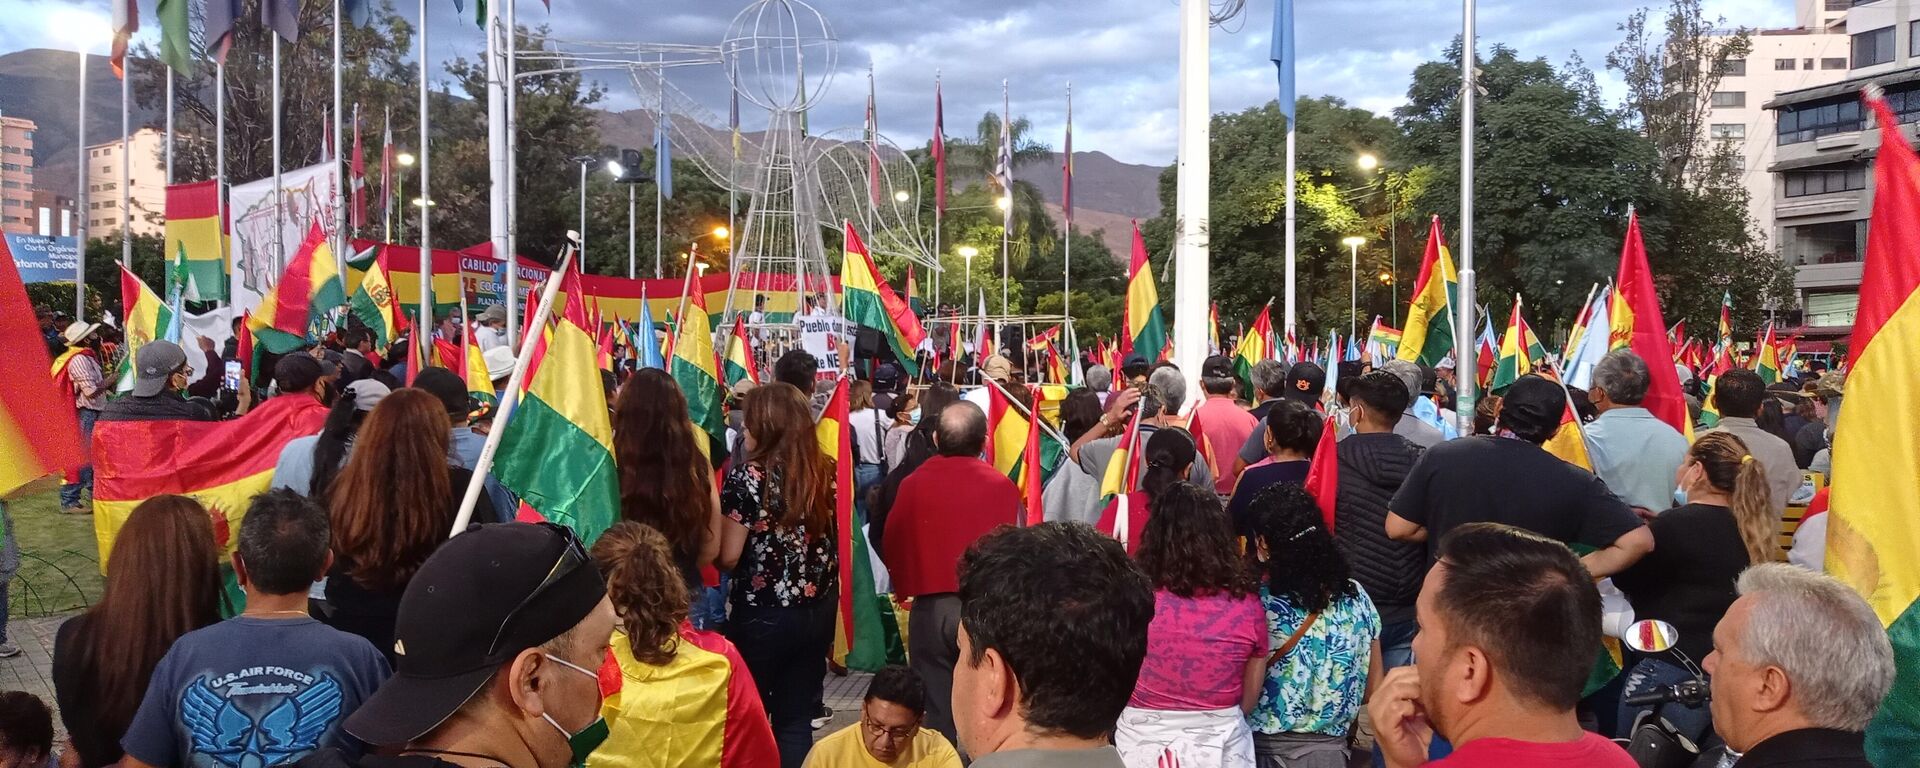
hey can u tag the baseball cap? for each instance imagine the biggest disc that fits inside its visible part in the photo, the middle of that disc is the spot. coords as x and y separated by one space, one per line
1534 405
481 599
154 364
366 394
496 313
296 372
1408 373
446 386
997 367
1305 382
1217 367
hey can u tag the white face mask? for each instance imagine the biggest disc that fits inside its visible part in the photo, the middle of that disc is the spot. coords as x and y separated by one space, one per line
584 741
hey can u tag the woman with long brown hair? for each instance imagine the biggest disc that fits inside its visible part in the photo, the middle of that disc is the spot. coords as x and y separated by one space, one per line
665 482
682 697
1726 521
780 543
163 581
391 507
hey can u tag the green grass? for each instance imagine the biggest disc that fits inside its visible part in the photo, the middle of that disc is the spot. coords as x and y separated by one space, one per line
59 569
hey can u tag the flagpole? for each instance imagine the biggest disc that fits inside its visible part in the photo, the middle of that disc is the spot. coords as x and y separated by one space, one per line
220 163
1066 281
80 206
631 241
1291 262
659 195
169 150
939 196
1006 215
126 167
279 201
508 401
423 326
1193 174
513 197
1469 82
497 156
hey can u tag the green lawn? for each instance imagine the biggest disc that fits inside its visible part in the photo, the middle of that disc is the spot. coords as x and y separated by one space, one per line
59 569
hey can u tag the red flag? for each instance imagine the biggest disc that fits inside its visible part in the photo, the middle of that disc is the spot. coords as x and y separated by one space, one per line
39 432
1637 315
243 348
834 428
1323 473
126 21
1030 468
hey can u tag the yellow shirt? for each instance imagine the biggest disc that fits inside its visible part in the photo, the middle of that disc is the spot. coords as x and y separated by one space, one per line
844 749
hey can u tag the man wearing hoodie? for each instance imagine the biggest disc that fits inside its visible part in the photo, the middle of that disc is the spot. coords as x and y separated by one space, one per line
1374 461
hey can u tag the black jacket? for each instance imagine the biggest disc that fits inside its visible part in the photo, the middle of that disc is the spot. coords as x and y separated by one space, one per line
1372 467
161 407
1809 748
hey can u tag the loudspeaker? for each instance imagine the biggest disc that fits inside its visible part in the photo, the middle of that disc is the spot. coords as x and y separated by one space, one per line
1012 339
867 342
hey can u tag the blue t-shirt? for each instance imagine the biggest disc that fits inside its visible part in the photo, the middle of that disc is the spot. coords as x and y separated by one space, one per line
250 692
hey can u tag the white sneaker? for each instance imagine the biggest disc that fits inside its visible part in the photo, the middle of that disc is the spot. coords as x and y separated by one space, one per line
9 650
825 716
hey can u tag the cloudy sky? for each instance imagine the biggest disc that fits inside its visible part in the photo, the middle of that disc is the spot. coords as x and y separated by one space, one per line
1121 56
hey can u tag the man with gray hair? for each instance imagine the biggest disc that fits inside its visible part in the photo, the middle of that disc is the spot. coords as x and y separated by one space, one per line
1100 381
1159 402
1633 451
1800 665
1421 433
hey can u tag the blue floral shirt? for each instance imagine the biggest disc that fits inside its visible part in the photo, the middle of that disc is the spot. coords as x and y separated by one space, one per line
1320 685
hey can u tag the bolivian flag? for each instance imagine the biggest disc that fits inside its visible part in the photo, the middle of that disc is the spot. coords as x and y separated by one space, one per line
147 319
306 291
1428 336
221 464
194 227
1255 345
557 453
1146 323
739 361
1873 542
1766 358
1123 471
373 303
872 303
479 382
693 369
39 433
1519 350
1636 324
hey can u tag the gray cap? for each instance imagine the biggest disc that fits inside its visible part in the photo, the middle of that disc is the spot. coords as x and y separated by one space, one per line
496 313
153 364
1408 373
367 393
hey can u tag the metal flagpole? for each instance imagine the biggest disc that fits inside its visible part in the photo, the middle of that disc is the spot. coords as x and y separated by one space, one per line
169 150
1463 326
424 320
220 162
1006 214
1066 278
1193 173
939 195
126 167
659 195
513 198
1291 264
279 203
81 201
497 156
630 233
339 149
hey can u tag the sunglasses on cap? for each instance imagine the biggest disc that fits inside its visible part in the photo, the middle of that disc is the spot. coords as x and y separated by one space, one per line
572 557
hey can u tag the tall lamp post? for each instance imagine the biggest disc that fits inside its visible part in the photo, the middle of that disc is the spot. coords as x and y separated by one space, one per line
405 159
586 162
81 29
1353 281
967 252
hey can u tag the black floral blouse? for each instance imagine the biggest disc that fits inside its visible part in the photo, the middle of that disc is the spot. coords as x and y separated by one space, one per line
779 566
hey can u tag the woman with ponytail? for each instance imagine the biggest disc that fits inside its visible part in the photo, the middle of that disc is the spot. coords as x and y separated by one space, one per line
1166 459
1725 522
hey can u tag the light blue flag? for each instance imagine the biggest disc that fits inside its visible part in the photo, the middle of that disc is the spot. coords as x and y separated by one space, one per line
663 156
1283 54
646 347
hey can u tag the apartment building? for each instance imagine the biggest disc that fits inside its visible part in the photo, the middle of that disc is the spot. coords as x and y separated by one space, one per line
16 175
1823 167
149 184
53 214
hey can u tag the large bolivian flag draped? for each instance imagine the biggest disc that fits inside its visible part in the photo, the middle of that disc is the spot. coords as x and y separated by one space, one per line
557 454
1146 331
870 302
222 464
307 290
1637 324
717 717
39 434
1873 541
1428 336
693 369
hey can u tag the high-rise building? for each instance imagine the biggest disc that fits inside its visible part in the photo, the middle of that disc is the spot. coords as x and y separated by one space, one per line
1814 52
53 214
148 184
1822 171
16 175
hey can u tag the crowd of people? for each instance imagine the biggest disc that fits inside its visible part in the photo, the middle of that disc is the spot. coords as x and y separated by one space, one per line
1449 607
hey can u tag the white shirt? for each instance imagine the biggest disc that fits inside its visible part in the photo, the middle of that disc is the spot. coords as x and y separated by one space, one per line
868 430
489 337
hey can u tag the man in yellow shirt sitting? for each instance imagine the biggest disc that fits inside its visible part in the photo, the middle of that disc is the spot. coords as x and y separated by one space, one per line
889 732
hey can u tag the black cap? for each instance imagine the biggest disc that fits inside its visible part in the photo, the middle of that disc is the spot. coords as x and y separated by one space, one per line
1217 367
297 372
447 386
484 584
1533 406
1305 382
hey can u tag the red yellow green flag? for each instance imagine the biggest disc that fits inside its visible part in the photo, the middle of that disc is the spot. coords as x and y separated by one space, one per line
1255 345
1766 358
1873 541
1637 324
693 369
147 318
835 436
307 290
479 382
557 453
739 360
1428 337
1146 323
194 228
39 433
870 302
1519 350
373 303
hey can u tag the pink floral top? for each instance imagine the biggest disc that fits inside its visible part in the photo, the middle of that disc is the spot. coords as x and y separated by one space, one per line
1197 651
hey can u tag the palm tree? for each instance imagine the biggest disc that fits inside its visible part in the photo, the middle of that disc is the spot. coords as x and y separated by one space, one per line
979 158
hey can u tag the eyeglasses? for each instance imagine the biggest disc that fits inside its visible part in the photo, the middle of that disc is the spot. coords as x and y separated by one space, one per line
897 735
572 557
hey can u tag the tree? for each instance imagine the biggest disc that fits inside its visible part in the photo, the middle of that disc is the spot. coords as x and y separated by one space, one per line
1671 81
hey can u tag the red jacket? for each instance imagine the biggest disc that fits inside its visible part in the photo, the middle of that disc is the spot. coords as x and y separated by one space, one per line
943 508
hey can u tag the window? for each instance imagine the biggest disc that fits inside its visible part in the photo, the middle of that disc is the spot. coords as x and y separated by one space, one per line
1729 98
1913 43
109 187
109 222
1731 67
1833 63
1783 64
1834 242
1733 164
1831 309
1839 5
1822 181
1806 123
1806 64
1728 131
1873 47
1905 104
106 169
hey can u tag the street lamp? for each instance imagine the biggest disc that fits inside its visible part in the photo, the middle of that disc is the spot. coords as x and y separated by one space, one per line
1368 162
901 196
968 252
584 161
83 30
404 158
1003 202
1353 283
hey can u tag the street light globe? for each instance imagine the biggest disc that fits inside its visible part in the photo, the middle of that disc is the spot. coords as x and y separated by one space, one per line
900 195
1368 161
423 203
404 158
1354 241
614 167
968 252
1003 202
1386 277
722 232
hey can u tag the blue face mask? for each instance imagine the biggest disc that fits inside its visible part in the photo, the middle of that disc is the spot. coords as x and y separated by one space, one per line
1680 496
913 416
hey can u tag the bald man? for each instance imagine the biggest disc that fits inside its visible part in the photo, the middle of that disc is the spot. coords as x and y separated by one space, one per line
942 509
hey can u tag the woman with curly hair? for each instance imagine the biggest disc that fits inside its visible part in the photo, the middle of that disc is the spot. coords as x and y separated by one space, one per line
675 695
665 482
1206 648
1323 629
